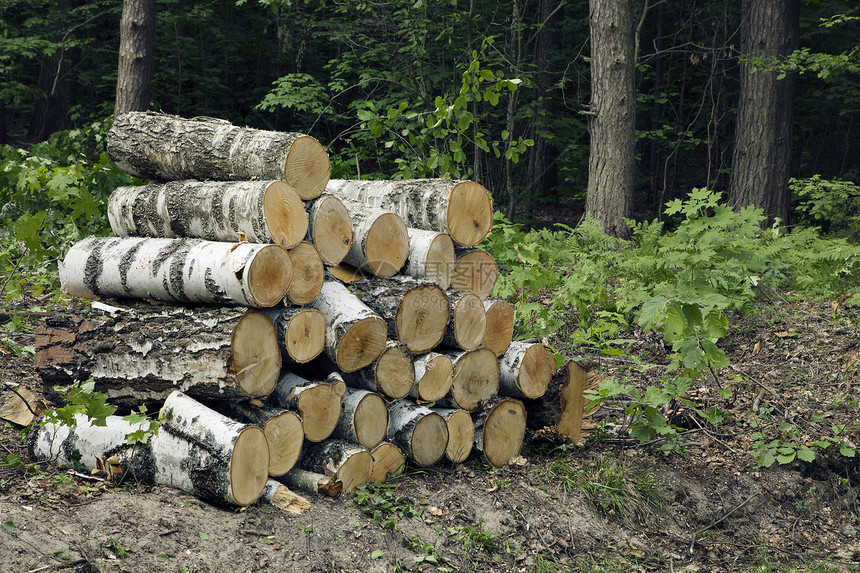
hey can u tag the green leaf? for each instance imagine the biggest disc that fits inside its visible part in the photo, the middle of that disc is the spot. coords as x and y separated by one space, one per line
202 535
376 554
847 450
805 454
8 526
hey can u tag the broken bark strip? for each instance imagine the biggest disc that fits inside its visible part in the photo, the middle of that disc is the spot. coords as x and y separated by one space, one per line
526 369
232 211
418 431
312 482
392 374
177 270
499 430
431 257
281 497
388 461
318 403
476 379
381 242
166 147
468 322
434 376
355 336
500 325
460 208
461 433
142 352
416 312
363 418
329 228
241 448
308 274
349 463
475 270
301 332
283 429
564 407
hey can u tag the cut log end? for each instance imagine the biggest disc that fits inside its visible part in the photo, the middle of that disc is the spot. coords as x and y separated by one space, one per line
469 321
286 217
476 378
422 318
429 440
470 213
500 325
269 276
361 344
387 245
305 335
371 420
536 370
503 432
286 500
308 274
321 406
388 461
436 379
255 354
284 435
249 466
307 168
395 374
476 271
461 436
332 230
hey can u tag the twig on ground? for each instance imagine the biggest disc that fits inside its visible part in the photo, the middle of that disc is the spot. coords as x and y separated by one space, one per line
720 520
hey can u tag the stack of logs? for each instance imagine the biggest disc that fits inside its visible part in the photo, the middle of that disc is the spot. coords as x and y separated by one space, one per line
295 331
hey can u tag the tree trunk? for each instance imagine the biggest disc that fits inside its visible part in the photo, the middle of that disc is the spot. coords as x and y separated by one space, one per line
355 335
318 403
363 418
301 332
475 270
418 431
381 241
416 312
392 374
283 429
762 154
499 430
177 270
349 463
329 228
253 211
308 274
434 376
461 433
136 55
281 497
154 145
312 482
431 257
525 370
143 352
500 325
476 379
563 408
460 208
388 461
612 115
468 322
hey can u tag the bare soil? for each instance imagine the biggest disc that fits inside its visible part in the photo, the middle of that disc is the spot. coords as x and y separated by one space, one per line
708 509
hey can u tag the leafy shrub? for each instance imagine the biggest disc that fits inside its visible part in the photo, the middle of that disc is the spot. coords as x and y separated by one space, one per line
832 205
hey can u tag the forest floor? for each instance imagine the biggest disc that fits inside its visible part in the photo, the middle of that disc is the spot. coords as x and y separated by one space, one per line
611 505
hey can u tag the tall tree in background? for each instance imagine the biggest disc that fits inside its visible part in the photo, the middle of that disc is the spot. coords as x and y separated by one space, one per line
762 153
612 115
136 50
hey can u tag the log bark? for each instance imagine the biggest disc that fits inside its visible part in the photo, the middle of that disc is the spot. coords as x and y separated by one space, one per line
142 352
349 463
318 403
476 379
418 431
241 448
526 369
329 228
388 461
301 332
282 428
355 335
475 270
416 312
434 376
312 482
166 147
461 433
363 418
431 257
499 430
380 239
177 270
392 374
468 324
308 274
281 497
462 209
253 211
500 325
563 408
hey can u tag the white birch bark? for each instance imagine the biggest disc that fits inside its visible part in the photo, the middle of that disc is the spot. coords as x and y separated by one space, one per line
312 482
281 497
525 370
381 242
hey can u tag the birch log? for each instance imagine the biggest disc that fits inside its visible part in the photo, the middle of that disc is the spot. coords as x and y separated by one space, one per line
431 257
329 228
349 463
177 270
499 430
363 418
475 270
434 376
141 352
476 379
415 312
500 325
241 449
388 461
468 323
526 369
253 211
281 497
460 208
563 407
166 147
318 403
301 332
381 241
312 482
392 374
418 431
461 433
282 428
308 274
